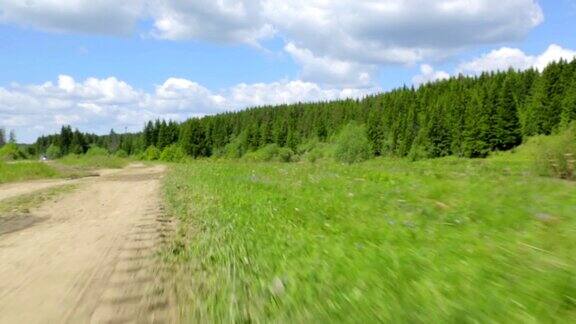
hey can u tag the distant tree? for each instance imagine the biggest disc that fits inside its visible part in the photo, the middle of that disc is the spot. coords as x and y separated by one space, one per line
477 126
2 137
193 139
78 144
506 125
53 152
12 137
569 104
113 142
65 140
148 134
465 116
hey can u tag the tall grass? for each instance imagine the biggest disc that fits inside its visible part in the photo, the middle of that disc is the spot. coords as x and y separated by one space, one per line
445 240
10 172
91 162
555 155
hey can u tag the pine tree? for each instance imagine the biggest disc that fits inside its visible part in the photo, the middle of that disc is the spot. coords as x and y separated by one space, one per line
78 144
569 103
477 126
65 139
505 122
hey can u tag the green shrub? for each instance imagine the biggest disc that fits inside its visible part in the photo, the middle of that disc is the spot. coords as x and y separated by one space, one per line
96 151
151 153
555 155
173 153
11 152
270 153
352 144
53 152
236 148
121 154
314 150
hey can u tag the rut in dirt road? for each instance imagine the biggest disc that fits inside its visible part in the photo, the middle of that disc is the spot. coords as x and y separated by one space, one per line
92 258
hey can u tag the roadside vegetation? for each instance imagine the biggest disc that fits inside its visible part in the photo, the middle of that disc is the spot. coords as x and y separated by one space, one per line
69 166
95 158
444 240
11 172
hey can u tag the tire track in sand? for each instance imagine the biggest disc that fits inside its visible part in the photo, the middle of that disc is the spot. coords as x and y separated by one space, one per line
93 259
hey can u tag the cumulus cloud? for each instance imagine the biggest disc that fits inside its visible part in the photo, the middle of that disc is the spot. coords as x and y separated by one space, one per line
222 21
399 31
499 60
505 58
84 16
101 104
258 94
428 74
329 71
367 32
336 43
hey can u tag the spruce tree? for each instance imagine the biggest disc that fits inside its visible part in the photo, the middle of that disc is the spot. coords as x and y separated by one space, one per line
569 105
476 130
505 123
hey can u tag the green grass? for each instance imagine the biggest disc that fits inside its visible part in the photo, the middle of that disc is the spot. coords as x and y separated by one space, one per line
446 240
72 166
92 162
11 172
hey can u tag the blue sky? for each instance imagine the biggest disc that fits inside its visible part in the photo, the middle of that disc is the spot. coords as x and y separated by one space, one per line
102 65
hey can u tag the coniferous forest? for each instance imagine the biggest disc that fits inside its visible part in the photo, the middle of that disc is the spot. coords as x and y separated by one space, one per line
463 116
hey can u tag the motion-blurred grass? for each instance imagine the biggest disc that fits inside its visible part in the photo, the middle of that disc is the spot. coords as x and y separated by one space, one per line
446 240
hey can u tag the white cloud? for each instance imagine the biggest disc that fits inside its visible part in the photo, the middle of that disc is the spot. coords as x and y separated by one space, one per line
505 58
281 92
329 71
181 95
367 32
234 21
399 31
499 60
428 74
98 105
336 43
84 16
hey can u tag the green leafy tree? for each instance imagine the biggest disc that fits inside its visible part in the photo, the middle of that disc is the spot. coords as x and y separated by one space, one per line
352 144
53 152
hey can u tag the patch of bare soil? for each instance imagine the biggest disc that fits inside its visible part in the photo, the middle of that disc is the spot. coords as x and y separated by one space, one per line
92 257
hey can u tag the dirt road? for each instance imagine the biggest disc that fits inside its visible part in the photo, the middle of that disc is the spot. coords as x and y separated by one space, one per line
91 259
21 188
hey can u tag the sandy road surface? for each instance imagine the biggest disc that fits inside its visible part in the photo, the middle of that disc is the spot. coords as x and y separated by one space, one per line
20 188
11 190
91 259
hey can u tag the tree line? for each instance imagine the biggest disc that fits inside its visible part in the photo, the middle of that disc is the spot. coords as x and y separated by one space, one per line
466 116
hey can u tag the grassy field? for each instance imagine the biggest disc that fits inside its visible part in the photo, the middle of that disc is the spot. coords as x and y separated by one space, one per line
86 162
447 240
72 166
10 172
